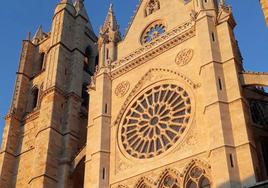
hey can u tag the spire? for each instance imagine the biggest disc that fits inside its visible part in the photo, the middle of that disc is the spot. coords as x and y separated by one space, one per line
109 37
80 8
38 35
110 21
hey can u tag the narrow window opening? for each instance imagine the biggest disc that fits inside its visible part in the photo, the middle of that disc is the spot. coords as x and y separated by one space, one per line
103 173
206 1
264 152
107 53
85 96
213 36
35 93
231 160
106 108
96 64
87 57
65 71
220 84
86 65
41 62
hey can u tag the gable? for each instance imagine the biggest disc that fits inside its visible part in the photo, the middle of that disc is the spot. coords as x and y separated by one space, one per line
169 13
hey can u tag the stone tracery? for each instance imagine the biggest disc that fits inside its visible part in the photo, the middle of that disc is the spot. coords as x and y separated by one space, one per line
169 179
155 121
144 183
196 176
184 57
153 31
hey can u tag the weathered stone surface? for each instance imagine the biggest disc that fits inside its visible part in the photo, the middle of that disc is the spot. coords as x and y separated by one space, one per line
168 105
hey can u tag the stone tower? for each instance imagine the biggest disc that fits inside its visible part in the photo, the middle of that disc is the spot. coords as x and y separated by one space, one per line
46 125
169 105
264 5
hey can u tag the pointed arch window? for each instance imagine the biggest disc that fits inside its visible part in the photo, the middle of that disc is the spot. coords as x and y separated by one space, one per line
170 182
151 7
143 183
197 178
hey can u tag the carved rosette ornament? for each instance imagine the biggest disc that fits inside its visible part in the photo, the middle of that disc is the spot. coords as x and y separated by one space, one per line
184 57
122 89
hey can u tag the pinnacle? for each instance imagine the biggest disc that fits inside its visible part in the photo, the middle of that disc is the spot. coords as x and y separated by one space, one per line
39 33
110 21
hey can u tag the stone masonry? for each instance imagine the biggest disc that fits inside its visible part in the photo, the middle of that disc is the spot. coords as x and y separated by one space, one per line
168 105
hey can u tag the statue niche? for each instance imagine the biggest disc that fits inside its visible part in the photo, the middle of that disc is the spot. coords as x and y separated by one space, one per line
151 7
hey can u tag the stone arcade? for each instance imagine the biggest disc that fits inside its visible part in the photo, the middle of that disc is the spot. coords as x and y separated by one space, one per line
167 106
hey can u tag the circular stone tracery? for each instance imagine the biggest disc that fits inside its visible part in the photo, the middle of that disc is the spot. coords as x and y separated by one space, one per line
153 31
155 121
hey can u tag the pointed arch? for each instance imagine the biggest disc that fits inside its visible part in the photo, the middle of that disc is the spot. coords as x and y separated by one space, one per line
169 178
144 183
146 78
197 175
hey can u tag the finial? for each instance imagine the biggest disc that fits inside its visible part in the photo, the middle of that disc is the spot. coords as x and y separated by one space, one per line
111 7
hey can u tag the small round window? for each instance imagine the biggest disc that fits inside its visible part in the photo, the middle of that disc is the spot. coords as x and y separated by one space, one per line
153 31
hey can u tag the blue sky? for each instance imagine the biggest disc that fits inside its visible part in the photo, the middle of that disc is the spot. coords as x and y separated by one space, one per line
20 17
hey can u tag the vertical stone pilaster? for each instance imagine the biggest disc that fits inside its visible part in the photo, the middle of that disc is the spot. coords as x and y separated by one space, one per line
8 151
215 101
98 138
243 170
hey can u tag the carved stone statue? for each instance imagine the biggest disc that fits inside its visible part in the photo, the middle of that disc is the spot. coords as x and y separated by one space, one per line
152 6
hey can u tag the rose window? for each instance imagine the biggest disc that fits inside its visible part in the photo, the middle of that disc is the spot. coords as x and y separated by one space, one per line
155 121
153 31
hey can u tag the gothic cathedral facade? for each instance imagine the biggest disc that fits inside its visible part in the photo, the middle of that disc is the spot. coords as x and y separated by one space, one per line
169 105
